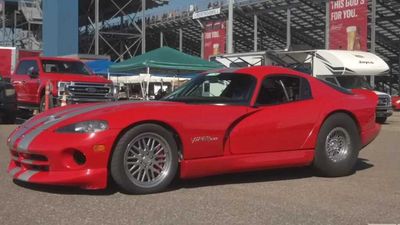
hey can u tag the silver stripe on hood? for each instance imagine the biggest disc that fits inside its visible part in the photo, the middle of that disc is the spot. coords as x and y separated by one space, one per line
29 125
26 141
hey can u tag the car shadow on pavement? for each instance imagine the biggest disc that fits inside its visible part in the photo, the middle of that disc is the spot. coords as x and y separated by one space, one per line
219 180
258 176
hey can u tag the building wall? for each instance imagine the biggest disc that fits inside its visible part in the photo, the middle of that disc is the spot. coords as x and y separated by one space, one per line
60 27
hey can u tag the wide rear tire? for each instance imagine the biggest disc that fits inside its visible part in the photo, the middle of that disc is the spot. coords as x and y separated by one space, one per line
337 147
145 159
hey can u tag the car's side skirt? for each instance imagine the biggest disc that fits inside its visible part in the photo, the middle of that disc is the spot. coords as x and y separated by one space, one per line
241 163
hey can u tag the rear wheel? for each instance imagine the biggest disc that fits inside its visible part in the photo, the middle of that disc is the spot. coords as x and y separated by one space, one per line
145 159
337 147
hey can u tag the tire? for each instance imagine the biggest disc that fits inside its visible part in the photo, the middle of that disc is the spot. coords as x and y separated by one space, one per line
9 118
143 170
381 120
339 136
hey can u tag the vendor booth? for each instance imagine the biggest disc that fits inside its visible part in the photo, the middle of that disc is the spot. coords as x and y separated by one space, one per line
155 73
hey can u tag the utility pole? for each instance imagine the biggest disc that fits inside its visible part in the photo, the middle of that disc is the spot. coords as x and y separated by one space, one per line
96 28
230 27
143 26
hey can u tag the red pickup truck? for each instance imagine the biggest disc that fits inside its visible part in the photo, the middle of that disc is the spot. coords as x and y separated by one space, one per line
69 77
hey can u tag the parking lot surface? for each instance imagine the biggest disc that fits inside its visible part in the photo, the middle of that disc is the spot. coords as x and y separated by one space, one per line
288 196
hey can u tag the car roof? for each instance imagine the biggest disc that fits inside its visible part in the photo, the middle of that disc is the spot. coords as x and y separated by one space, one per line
261 71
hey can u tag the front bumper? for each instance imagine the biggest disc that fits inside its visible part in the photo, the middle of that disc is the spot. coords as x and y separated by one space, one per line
384 112
8 107
50 159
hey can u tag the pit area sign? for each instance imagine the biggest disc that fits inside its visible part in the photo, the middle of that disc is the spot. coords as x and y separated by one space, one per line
348 24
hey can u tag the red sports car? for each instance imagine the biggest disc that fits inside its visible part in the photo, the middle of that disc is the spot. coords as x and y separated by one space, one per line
220 122
396 102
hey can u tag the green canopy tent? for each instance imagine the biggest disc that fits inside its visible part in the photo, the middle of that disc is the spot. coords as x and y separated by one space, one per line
165 61
164 58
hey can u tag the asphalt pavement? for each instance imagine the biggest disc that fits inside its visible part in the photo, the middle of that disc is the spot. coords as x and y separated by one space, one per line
286 196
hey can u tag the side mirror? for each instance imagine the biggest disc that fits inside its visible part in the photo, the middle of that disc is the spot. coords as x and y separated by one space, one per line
33 73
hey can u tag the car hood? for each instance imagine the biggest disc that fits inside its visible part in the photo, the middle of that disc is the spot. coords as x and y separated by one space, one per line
117 113
79 78
381 93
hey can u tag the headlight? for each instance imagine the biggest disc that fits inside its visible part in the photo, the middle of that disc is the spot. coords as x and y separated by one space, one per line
115 90
92 126
398 101
61 86
10 92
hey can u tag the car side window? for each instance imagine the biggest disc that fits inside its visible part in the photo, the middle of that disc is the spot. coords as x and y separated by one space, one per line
25 65
283 89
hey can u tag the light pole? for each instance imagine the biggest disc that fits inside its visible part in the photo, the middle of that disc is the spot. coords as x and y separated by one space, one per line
15 28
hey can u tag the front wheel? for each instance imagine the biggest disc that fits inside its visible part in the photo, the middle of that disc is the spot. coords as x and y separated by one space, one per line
9 118
145 159
337 146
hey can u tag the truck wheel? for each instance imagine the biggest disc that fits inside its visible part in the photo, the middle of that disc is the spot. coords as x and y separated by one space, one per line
145 159
381 120
337 146
9 118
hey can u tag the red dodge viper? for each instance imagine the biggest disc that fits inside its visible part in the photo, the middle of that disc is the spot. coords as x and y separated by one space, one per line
220 122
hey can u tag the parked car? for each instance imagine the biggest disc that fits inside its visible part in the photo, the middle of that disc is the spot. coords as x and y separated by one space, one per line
68 77
8 103
221 122
396 102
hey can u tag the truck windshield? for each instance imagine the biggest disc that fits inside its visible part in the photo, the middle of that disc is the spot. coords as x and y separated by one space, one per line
219 88
66 67
354 82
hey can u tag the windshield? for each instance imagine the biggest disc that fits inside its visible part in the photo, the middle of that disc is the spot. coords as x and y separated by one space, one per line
220 88
69 67
354 82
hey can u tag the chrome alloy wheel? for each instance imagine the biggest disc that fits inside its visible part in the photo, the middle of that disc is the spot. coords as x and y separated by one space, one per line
147 160
337 144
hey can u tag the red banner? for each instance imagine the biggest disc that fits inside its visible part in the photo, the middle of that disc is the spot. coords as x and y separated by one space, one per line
214 38
348 24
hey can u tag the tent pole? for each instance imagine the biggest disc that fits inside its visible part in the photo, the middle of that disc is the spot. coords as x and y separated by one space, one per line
148 84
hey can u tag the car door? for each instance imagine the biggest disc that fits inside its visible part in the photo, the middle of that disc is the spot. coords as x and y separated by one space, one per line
19 79
33 82
213 104
205 133
282 120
